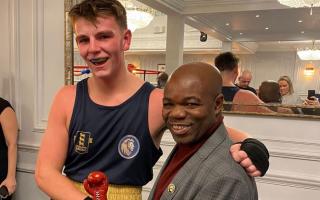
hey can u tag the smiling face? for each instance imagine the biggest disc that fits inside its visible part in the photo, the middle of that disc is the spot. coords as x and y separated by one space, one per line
102 44
190 105
284 87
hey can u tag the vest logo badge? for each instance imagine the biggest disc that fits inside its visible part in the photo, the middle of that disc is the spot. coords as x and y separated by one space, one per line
129 147
82 141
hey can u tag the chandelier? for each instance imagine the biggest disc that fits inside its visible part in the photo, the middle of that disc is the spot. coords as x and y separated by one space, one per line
138 16
300 3
309 54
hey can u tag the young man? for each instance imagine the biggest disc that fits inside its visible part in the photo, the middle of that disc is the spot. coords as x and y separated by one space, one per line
110 122
242 100
200 166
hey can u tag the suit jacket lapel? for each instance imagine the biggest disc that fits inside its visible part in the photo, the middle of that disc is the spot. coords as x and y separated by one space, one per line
205 150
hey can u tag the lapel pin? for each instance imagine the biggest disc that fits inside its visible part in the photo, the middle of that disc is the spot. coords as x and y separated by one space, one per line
171 188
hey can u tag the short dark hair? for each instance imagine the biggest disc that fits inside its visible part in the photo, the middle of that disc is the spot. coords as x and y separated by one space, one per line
92 9
269 92
226 61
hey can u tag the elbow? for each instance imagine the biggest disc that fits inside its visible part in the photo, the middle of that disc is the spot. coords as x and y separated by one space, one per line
40 176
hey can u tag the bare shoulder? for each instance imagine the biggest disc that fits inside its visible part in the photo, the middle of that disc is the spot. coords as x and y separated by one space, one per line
156 123
157 95
246 96
65 96
8 111
8 121
66 91
62 106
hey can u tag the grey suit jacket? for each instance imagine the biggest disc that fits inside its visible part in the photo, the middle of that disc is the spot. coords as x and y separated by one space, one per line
211 173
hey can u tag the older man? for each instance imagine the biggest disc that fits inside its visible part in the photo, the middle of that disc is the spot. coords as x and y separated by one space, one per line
244 81
200 166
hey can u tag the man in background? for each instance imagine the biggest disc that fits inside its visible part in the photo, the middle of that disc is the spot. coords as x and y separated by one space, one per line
244 81
162 80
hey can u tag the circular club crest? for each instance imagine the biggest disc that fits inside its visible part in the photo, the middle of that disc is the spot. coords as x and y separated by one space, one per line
128 147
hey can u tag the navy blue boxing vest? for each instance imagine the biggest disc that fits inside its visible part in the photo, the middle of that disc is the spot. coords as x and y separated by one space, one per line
229 92
112 139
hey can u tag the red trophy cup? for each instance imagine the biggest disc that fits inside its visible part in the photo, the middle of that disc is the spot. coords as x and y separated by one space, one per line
97 185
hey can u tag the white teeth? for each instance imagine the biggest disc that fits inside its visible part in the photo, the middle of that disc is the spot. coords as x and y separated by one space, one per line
98 61
178 127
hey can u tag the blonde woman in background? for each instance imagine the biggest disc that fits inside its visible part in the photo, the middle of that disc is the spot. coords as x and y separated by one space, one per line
287 92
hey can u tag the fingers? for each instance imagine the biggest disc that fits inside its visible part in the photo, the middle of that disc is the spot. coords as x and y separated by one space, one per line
250 168
242 158
313 101
237 154
235 148
255 174
11 189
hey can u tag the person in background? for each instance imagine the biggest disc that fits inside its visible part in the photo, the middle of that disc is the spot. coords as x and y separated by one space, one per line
110 122
313 101
244 81
162 80
269 92
287 92
242 100
8 146
200 165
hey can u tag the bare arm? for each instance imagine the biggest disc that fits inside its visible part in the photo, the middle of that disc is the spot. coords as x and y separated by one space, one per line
246 101
237 135
10 129
53 150
156 123
239 155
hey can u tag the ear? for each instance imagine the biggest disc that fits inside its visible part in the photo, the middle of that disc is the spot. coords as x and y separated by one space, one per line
126 39
218 104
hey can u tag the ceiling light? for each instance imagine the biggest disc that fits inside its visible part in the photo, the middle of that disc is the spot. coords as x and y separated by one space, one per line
309 54
267 28
301 3
300 21
302 32
227 24
138 16
257 16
